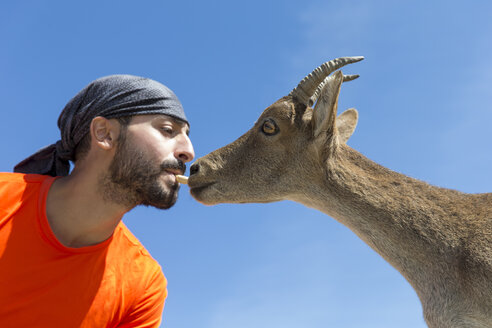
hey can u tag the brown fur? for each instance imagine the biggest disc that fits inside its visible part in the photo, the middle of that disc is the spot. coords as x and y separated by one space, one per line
439 239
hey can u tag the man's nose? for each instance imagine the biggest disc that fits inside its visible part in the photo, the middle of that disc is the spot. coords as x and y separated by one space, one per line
184 150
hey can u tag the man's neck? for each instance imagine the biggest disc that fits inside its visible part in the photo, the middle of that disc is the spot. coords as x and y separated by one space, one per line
78 214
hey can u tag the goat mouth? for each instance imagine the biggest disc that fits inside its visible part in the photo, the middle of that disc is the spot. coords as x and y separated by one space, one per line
196 189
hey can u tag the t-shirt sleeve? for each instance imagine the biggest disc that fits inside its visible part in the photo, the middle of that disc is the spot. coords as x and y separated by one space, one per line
147 312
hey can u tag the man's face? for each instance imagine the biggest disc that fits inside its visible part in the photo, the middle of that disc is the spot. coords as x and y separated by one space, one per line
150 151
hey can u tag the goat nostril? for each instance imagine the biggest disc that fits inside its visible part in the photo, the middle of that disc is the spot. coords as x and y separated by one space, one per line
194 168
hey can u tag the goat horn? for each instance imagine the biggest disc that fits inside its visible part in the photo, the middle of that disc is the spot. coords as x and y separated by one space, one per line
314 97
307 87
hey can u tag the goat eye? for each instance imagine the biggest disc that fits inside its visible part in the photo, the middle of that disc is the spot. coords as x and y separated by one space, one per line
269 127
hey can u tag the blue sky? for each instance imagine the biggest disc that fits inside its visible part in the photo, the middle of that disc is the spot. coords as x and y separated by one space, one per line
424 99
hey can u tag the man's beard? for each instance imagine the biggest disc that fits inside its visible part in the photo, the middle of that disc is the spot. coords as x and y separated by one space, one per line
134 178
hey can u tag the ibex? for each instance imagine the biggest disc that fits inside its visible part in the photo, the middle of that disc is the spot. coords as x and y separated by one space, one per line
439 239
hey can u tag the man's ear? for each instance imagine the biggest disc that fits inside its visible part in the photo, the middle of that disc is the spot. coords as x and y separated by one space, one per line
325 111
346 123
104 132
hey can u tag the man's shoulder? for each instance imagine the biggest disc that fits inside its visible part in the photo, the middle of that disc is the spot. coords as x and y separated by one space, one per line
141 278
16 188
134 249
21 178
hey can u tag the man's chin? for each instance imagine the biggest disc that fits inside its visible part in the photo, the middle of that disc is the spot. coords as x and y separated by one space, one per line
163 206
162 203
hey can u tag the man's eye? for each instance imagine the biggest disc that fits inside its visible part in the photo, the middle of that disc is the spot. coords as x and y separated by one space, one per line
167 129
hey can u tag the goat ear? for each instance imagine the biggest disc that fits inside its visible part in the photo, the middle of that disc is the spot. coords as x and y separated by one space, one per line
325 111
346 123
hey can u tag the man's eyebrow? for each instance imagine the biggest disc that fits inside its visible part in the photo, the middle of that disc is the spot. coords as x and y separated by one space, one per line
182 124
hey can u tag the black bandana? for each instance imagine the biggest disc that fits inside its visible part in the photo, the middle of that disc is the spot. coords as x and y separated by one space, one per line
110 97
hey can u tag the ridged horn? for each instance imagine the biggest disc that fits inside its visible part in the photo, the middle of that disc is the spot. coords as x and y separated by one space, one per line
316 94
308 86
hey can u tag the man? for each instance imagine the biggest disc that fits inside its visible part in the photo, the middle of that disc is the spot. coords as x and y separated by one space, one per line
66 259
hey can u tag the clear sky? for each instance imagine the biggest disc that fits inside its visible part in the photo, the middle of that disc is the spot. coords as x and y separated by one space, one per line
425 104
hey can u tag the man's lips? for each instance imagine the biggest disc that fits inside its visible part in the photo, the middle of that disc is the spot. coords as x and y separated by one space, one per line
171 175
175 171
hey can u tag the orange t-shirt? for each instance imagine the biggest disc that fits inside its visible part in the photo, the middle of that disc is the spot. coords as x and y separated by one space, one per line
44 284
